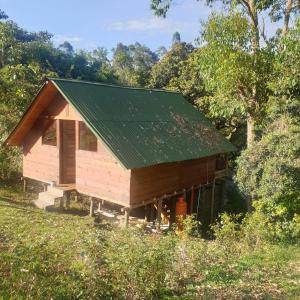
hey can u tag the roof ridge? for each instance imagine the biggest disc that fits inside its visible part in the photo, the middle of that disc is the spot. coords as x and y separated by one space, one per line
112 85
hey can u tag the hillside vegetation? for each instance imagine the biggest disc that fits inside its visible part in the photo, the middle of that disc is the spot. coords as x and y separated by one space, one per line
58 256
248 84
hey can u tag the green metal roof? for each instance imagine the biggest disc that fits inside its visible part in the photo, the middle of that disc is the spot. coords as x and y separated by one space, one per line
143 127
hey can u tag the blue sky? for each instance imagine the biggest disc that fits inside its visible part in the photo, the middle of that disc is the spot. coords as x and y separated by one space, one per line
91 23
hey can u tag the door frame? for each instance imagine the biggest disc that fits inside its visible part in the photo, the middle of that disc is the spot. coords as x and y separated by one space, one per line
60 129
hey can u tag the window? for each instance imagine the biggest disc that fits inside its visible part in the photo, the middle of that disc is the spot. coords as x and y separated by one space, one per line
49 136
87 140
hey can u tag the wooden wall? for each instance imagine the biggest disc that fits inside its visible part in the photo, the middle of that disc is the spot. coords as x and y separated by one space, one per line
147 183
99 174
40 162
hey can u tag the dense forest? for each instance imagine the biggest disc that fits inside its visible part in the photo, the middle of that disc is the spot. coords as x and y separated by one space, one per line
247 82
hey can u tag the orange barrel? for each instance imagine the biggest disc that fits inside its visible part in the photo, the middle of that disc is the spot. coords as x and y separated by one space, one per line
180 211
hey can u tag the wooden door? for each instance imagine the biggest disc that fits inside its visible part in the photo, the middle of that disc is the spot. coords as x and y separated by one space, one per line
67 152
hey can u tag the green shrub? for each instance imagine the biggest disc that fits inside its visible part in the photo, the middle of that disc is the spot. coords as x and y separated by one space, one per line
138 263
269 171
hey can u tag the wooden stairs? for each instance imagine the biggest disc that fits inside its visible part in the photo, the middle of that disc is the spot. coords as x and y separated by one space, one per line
47 199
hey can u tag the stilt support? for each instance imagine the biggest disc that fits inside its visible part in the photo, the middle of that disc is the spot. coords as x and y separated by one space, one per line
76 196
152 213
100 205
147 212
67 197
91 206
24 184
126 217
172 212
158 216
61 203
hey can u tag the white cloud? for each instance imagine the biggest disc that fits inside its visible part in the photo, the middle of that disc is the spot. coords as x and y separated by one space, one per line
165 25
60 38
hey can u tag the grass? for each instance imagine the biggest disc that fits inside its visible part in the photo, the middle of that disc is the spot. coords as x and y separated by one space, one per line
61 256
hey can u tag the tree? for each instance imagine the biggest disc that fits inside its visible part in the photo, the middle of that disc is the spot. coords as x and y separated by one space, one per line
269 172
284 10
161 52
251 9
3 15
132 64
67 47
231 71
176 39
285 83
169 66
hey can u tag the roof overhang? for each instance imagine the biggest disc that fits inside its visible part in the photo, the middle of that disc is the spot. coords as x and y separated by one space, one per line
44 96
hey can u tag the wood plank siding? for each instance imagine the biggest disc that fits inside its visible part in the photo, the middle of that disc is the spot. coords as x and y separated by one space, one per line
40 162
99 174
153 181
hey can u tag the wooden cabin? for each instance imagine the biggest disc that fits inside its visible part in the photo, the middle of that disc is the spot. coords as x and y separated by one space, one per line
128 146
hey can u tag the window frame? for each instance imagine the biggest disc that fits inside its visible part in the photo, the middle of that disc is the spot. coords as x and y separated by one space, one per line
88 130
46 131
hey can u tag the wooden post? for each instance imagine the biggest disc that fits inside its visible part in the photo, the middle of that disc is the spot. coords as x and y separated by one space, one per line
67 199
185 195
192 200
24 184
45 187
152 213
61 203
212 201
76 196
91 206
99 205
147 208
158 217
126 217
172 212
